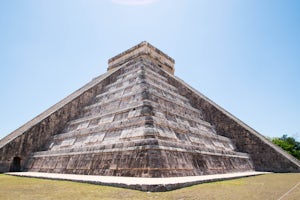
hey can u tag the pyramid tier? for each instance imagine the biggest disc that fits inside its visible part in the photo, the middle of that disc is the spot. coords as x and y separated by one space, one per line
140 157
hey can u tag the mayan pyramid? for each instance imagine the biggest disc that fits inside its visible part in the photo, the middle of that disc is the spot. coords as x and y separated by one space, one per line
139 120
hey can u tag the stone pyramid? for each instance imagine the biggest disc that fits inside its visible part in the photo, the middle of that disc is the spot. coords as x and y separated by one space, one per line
139 120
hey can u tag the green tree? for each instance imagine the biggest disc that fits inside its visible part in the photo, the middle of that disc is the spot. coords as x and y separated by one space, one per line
288 144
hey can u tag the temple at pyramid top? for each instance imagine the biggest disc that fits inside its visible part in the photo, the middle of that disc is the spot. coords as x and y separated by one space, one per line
144 48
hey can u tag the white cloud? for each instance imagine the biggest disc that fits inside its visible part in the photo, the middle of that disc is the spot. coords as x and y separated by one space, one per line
134 2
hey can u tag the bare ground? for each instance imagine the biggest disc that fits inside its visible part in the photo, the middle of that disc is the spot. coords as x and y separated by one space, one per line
269 186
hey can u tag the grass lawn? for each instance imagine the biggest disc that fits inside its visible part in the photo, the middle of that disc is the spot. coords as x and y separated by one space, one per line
269 186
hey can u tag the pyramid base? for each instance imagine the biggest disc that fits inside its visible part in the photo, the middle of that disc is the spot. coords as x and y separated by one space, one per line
142 184
141 163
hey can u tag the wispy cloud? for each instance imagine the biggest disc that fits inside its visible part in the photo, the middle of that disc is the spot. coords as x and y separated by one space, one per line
134 2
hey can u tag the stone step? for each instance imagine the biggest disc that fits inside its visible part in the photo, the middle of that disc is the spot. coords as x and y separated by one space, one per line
131 70
139 144
162 122
175 106
106 117
181 119
166 92
148 69
113 99
137 80
153 68
143 70
116 85
161 84
124 79
105 127
202 148
118 91
185 122
149 72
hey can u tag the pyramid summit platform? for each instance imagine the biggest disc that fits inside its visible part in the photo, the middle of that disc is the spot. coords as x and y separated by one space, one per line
139 120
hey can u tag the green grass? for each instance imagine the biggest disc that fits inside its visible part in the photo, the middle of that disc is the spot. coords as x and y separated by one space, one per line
269 186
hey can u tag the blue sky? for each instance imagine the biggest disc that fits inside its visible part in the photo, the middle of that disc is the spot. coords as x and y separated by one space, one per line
242 54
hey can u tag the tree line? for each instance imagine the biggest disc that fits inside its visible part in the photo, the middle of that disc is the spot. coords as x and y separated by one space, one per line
288 144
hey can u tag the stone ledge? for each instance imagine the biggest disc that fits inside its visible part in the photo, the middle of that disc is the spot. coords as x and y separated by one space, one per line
143 184
99 150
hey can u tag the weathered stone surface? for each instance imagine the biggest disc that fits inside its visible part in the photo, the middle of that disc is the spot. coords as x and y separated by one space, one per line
140 120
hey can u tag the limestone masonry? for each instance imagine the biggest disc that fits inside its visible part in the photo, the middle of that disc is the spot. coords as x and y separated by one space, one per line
139 120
